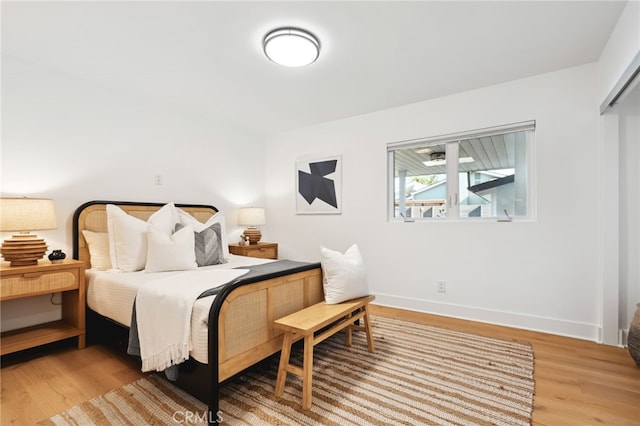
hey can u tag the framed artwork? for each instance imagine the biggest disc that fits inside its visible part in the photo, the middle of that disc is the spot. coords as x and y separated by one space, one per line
319 186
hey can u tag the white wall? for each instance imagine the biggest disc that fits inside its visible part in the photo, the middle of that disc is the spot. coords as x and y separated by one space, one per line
65 139
539 275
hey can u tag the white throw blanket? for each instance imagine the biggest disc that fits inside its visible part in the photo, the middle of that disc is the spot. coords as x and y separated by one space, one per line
163 312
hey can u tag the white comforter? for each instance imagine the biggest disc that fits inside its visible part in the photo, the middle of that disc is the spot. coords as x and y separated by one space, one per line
112 294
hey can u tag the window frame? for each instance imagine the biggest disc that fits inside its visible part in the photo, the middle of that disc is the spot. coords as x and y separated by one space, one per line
452 141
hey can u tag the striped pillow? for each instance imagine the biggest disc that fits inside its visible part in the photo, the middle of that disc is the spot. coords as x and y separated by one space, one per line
208 245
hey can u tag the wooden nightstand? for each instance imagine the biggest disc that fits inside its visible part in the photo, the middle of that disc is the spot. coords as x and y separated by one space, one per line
263 250
45 278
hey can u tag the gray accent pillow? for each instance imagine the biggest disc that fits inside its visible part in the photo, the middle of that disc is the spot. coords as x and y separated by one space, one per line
208 245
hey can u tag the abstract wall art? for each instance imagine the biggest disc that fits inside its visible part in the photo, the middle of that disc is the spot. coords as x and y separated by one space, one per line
319 186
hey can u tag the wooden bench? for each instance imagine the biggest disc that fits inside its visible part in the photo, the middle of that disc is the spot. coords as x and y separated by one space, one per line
305 324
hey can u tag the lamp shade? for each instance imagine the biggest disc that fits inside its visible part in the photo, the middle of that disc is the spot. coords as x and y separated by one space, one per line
26 214
251 216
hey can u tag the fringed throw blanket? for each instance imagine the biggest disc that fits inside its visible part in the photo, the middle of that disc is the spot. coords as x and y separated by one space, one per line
162 315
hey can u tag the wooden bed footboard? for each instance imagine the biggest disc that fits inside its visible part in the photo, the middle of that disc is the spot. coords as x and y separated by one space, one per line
246 333
245 314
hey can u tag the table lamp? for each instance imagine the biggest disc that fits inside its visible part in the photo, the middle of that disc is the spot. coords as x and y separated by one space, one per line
24 215
251 217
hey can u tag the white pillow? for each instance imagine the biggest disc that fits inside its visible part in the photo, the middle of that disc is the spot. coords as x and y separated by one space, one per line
344 275
170 253
98 245
127 235
165 219
185 218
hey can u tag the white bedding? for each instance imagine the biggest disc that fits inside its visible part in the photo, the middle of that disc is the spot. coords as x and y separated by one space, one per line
111 294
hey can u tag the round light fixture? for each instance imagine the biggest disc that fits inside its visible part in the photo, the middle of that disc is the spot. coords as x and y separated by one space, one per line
291 47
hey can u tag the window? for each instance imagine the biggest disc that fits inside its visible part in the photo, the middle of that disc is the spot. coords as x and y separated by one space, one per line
490 176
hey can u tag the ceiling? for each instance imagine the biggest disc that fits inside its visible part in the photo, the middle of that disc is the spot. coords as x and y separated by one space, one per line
206 57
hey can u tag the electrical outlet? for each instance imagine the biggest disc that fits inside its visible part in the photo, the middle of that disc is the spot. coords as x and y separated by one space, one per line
442 286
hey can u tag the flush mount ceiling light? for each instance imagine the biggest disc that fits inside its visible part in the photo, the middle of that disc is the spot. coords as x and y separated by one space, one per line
291 47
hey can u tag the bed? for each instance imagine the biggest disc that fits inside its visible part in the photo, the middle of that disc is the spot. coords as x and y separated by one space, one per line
238 331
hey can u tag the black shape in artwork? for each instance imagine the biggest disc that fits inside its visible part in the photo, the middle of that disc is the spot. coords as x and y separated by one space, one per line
315 185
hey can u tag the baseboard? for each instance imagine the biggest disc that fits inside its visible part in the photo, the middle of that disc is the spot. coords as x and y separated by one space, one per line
623 335
510 319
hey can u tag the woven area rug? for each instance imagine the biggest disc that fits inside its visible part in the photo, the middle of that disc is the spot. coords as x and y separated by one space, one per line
419 375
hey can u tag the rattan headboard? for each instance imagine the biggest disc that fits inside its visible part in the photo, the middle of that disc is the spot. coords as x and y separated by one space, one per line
92 216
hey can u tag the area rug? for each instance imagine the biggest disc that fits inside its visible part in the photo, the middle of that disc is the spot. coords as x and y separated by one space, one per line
419 375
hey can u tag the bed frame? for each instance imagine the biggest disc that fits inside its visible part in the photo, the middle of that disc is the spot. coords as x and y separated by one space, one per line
241 331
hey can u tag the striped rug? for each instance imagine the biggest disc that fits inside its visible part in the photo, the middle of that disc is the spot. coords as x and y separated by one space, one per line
419 375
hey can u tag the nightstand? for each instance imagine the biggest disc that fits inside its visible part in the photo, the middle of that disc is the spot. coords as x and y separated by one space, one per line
45 278
263 250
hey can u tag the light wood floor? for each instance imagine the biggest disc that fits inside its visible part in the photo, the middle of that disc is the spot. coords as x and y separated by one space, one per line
577 382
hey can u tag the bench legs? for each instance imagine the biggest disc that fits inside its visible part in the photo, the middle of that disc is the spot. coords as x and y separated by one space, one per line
284 363
307 369
366 328
306 372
